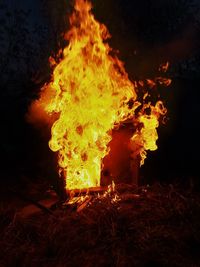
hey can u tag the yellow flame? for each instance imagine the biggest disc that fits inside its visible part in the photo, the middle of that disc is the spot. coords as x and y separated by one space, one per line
145 138
87 98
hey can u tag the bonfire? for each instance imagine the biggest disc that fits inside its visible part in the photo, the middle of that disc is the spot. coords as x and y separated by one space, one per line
99 128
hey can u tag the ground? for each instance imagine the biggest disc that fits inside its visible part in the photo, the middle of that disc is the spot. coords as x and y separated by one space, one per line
148 226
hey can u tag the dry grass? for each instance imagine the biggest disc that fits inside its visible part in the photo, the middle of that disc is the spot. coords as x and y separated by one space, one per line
161 228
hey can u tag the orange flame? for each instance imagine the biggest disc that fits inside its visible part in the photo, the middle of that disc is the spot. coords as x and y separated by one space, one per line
87 98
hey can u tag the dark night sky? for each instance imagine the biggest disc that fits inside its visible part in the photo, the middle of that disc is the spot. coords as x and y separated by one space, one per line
179 145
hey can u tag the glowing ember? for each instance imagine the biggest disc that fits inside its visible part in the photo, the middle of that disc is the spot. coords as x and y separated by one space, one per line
88 97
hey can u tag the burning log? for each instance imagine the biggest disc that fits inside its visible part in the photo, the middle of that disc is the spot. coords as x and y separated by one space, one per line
112 188
84 204
84 191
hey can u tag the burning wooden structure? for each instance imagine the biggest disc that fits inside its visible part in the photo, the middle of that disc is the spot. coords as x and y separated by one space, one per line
99 128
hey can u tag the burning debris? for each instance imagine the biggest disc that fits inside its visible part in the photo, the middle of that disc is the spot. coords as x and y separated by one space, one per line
88 99
113 195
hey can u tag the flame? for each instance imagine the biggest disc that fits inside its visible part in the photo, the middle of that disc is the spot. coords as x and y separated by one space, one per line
145 138
88 97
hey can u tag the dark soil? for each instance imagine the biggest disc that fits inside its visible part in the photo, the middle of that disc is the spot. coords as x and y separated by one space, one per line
161 227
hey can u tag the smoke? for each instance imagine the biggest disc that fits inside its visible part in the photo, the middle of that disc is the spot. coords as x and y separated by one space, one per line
36 115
